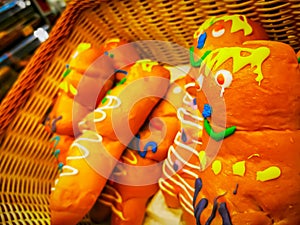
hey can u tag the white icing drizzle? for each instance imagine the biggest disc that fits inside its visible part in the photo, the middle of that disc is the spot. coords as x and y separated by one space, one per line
172 150
191 84
181 111
111 99
186 204
182 184
66 167
184 146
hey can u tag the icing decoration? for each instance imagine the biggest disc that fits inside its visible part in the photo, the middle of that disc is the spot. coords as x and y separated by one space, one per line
224 214
105 53
183 136
113 102
199 62
217 136
56 153
60 167
255 58
64 86
56 140
73 90
103 100
223 78
238 22
151 144
200 81
201 40
133 160
123 80
66 73
177 90
235 190
177 164
111 199
182 111
121 71
202 159
254 155
195 101
213 212
206 111
216 167
239 168
80 48
298 59
199 209
53 125
147 64
218 31
270 173
83 46
111 56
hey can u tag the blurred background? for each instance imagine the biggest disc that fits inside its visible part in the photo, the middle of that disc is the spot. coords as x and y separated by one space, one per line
24 25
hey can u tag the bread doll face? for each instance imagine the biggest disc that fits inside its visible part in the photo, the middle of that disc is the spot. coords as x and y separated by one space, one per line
225 31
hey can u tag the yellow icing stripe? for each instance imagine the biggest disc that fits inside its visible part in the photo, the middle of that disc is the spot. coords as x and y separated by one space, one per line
270 173
254 57
118 196
133 159
239 168
216 167
161 183
113 208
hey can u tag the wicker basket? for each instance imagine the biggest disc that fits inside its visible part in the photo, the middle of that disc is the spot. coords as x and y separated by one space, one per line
27 166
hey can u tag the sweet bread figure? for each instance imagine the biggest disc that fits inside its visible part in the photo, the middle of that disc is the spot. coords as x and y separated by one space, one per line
105 134
134 185
253 176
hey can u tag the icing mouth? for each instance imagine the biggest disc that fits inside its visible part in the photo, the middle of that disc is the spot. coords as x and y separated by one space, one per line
217 136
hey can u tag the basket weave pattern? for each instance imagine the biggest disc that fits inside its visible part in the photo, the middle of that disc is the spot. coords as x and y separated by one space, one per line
27 167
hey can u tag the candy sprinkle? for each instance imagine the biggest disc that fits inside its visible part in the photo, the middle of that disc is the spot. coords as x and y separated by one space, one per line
235 190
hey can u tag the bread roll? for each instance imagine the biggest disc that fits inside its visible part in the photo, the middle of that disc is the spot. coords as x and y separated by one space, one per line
94 154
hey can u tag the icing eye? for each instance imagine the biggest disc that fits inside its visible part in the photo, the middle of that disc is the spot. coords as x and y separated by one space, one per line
223 78
218 31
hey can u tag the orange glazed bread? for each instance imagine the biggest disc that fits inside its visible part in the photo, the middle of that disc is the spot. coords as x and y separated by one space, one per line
91 70
133 184
251 175
105 134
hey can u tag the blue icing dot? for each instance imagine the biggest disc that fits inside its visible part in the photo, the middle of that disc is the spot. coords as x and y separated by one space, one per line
183 136
206 111
201 40
175 167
